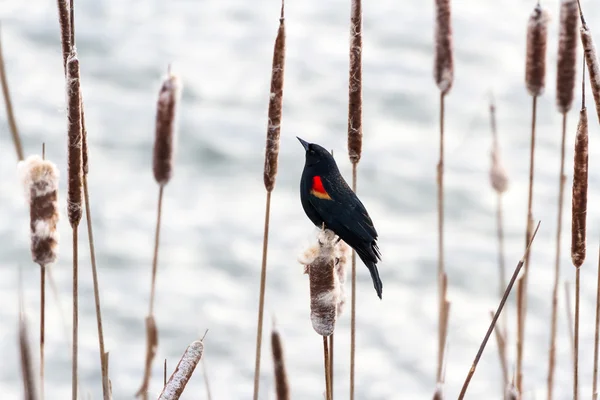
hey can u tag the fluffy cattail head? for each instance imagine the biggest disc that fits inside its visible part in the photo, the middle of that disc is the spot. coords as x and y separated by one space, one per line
580 187
74 194
275 107
164 141
567 55
355 84
40 179
282 387
342 259
537 35
591 59
444 60
324 284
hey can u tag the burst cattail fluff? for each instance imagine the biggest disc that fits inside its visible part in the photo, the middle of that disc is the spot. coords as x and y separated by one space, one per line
74 202
444 61
282 387
580 187
40 179
164 141
591 58
324 283
537 35
342 257
567 55
498 176
275 107
355 84
183 372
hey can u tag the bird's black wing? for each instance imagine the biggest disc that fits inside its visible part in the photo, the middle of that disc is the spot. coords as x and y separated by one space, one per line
344 210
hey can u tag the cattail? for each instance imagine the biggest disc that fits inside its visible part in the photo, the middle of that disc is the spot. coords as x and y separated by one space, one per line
567 55
342 256
65 30
164 142
593 66
275 107
580 186
537 35
355 84
74 194
444 60
498 176
183 372
40 179
324 284
282 387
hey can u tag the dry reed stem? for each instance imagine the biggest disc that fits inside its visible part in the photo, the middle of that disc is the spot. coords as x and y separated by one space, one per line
567 55
10 116
520 327
183 372
440 212
282 387
269 174
165 373
206 382
496 315
501 350
29 381
576 343
570 322
439 392
591 58
353 303
65 30
275 106
580 187
151 346
326 364
444 318
537 36
596 335
165 130
444 60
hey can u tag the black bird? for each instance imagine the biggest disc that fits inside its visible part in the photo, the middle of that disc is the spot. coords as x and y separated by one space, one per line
328 200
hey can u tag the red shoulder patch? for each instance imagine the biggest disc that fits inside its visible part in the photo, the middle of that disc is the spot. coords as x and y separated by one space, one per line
318 190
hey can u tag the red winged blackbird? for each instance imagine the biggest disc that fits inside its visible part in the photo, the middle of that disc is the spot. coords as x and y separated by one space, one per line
328 200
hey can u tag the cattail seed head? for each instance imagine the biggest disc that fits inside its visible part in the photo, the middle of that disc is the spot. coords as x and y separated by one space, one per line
444 60
537 36
282 387
40 180
498 175
74 194
275 107
580 187
591 59
567 55
164 141
342 257
183 372
355 84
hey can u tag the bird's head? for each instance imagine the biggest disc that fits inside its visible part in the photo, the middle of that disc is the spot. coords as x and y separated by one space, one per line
316 154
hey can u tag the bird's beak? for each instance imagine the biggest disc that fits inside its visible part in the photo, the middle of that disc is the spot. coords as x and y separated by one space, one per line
304 143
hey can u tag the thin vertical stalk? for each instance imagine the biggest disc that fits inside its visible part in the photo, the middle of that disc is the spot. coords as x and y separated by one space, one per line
12 123
576 343
42 325
331 364
156 245
353 305
441 270
75 315
326 364
596 335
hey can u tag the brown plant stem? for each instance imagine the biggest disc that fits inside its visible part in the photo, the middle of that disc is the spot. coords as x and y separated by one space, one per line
75 314
596 335
441 272
156 245
42 325
331 364
326 364
500 339
496 315
561 190
576 344
12 123
353 304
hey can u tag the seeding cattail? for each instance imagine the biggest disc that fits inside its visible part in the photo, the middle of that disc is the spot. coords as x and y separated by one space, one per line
355 83
444 60
591 58
282 387
537 35
40 179
580 186
183 372
342 256
164 142
567 55
65 30
74 198
275 107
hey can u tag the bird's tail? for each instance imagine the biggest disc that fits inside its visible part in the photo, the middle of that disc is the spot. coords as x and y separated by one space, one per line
375 276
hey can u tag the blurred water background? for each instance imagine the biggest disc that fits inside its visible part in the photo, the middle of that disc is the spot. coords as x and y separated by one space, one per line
213 211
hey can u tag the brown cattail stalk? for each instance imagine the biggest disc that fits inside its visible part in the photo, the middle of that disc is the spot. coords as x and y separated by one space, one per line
355 135
162 166
496 315
565 85
535 78
74 194
596 335
444 76
29 381
12 123
270 173
282 387
501 341
40 179
570 325
591 58
183 372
